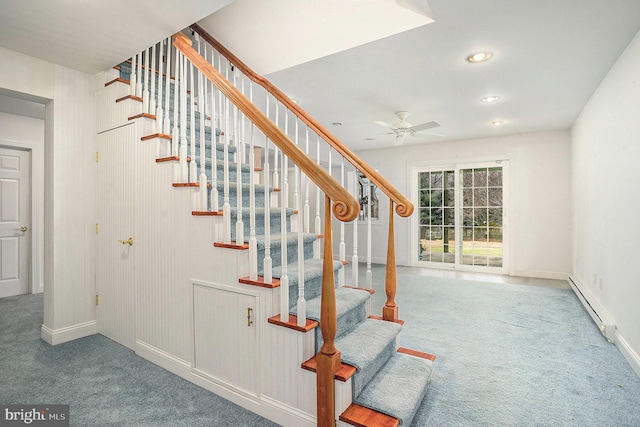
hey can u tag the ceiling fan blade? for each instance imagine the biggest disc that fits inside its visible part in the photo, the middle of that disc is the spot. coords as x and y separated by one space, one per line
425 126
425 135
385 124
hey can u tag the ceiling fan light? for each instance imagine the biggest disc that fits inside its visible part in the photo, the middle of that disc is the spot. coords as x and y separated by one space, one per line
479 57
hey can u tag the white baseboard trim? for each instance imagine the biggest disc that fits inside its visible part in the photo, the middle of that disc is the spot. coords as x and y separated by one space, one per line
632 357
163 359
264 406
70 333
541 274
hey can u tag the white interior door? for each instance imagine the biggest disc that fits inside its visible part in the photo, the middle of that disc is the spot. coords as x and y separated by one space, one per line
115 269
15 214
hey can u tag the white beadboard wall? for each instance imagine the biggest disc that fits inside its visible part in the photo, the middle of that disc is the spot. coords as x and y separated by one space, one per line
182 280
70 176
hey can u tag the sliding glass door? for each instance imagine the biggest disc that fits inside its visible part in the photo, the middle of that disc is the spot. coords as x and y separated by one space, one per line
460 220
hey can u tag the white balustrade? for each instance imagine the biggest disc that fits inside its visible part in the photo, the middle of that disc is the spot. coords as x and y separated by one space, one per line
267 263
317 246
253 243
152 82
192 127
226 205
342 251
132 76
184 169
284 279
166 128
147 79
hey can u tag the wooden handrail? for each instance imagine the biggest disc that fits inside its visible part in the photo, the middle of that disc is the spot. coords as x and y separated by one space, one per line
404 207
345 206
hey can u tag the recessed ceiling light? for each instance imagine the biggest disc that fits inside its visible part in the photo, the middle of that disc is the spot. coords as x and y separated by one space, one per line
497 122
336 124
479 57
368 139
492 98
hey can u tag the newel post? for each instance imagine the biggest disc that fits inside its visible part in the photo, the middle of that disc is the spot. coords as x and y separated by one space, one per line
390 309
328 357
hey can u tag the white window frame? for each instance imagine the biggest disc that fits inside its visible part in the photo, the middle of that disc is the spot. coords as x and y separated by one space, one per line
414 170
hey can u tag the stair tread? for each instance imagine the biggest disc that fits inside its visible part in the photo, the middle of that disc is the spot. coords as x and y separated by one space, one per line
312 268
399 387
362 345
361 416
292 239
346 299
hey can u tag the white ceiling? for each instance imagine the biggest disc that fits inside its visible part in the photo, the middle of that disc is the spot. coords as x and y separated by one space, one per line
549 55
92 36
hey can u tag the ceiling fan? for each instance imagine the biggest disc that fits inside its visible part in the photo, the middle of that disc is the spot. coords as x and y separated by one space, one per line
402 129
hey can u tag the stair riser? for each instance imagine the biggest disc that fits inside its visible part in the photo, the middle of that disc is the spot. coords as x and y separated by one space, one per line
312 289
259 196
275 223
345 322
292 253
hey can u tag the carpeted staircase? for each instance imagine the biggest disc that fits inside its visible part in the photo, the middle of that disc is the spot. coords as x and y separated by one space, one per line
387 379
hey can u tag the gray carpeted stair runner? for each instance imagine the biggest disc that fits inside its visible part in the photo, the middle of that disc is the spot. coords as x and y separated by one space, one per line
387 381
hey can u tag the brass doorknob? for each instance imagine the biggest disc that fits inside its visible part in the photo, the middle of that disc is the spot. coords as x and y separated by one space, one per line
129 241
24 228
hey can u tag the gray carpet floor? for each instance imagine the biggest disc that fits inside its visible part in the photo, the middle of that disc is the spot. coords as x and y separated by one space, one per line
507 355
104 383
511 355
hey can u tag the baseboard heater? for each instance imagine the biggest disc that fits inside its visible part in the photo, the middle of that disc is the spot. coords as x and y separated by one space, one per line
606 325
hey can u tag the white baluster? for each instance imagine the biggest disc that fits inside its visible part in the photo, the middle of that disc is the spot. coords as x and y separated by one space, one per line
301 303
237 136
342 248
202 202
215 122
166 128
175 130
192 124
296 183
253 243
159 112
354 258
139 77
284 279
267 263
368 276
317 246
276 175
226 206
307 209
132 76
152 82
147 78
184 168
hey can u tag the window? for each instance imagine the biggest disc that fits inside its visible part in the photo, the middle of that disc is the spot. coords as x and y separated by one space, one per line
460 216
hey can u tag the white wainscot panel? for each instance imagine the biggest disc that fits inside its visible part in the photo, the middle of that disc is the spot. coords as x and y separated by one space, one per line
226 336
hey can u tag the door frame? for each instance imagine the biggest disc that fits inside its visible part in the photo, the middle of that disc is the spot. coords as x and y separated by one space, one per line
36 227
456 165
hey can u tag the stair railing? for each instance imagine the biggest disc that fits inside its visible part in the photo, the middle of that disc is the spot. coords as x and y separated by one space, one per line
398 202
337 201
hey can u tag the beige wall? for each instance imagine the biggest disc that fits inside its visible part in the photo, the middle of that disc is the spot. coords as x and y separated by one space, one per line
606 198
540 220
